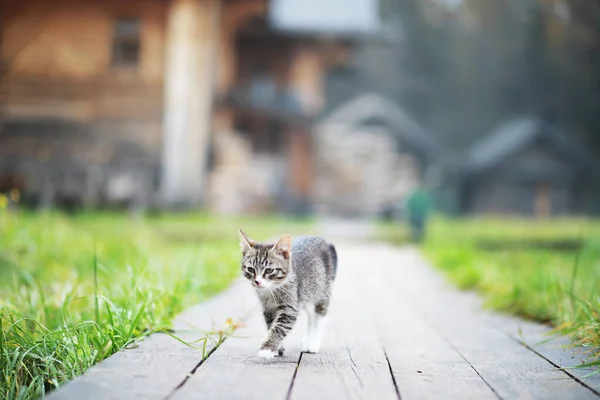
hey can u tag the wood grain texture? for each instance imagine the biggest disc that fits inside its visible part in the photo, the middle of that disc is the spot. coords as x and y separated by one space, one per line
557 350
509 368
72 38
351 363
391 316
424 365
160 363
235 371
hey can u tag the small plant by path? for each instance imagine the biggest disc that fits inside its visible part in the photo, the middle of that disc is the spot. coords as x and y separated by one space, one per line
75 290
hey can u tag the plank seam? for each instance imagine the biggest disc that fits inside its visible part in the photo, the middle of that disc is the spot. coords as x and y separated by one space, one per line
438 331
570 375
289 393
204 359
472 366
392 374
522 343
354 367
193 371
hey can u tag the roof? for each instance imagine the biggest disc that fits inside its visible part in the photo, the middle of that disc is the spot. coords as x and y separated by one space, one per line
336 17
516 135
370 107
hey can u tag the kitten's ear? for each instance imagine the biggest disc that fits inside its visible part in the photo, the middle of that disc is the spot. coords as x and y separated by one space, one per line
245 242
284 246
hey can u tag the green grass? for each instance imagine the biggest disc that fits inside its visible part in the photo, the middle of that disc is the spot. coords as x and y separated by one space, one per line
75 290
548 271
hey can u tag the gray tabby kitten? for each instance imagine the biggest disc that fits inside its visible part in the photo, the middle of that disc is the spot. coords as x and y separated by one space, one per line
289 278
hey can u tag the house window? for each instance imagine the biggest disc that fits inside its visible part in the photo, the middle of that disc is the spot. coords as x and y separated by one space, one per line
126 42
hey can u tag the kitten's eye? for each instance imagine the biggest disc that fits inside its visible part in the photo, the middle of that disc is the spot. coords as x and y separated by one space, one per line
269 271
251 270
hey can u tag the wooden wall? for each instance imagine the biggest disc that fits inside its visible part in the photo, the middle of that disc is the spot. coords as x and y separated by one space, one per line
535 181
292 61
234 15
58 66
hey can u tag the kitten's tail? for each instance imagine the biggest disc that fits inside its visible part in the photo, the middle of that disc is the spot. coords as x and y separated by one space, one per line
334 259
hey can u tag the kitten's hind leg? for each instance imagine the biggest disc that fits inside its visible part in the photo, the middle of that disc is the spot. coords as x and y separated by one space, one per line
310 320
312 342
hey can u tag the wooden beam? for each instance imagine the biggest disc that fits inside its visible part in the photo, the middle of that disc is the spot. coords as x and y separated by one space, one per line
191 43
3 66
307 75
542 204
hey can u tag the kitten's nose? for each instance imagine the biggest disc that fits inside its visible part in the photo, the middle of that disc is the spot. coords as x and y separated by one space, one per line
257 282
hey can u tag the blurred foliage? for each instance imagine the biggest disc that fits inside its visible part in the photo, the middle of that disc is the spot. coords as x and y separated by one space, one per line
74 290
470 64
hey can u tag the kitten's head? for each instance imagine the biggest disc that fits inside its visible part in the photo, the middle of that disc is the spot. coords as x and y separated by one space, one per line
266 265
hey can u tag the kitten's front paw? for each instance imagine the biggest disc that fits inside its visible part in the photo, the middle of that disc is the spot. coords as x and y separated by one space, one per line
266 353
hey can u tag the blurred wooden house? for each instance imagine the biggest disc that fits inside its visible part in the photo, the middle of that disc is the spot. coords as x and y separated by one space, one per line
381 154
527 167
132 100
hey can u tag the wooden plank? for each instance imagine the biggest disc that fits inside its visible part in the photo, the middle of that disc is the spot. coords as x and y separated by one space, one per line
424 365
351 363
83 100
160 363
557 350
391 315
506 366
77 111
235 371
73 37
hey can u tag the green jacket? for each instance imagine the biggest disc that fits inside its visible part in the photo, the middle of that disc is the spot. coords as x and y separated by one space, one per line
418 204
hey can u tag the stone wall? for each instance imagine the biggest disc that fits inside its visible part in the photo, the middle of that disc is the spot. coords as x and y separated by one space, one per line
242 181
361 171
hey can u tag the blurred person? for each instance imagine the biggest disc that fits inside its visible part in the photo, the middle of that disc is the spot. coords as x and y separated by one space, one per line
418 206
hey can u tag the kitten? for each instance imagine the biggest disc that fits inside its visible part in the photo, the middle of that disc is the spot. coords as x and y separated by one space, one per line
289 278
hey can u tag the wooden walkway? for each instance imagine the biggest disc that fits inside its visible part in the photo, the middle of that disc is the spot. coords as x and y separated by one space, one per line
396 331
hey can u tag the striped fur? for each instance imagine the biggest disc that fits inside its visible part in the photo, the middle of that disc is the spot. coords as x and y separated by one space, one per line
290 277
